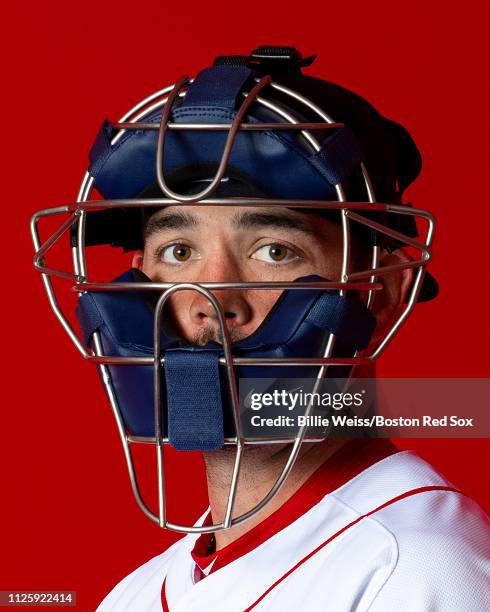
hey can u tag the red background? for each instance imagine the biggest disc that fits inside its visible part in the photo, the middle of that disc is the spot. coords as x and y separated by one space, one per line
68 518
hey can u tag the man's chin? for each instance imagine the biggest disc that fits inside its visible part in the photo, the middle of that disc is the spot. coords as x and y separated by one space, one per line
263 451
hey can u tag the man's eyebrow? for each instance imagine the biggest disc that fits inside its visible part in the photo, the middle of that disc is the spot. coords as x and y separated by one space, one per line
173 220
280 220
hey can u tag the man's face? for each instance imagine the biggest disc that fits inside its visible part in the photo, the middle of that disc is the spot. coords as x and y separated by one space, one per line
234 244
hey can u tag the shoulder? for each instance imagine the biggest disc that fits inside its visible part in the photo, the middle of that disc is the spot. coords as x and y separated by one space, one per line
443 562
141 589
440 537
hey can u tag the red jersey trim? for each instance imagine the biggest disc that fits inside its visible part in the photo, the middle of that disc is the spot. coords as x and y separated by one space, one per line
164 597
351 459
341 531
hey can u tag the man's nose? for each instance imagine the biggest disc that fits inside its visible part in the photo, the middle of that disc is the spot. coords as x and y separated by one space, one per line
233 302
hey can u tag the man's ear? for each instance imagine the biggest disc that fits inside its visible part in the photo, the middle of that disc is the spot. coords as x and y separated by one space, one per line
390 301
137 261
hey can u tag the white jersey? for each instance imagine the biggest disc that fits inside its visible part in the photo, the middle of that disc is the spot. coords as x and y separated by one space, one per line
394 536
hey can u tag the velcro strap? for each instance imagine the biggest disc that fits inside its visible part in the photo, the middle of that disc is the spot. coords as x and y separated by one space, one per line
339 155
345 317
218 86
195 413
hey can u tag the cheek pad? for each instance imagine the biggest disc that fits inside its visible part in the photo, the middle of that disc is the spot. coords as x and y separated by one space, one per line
196 409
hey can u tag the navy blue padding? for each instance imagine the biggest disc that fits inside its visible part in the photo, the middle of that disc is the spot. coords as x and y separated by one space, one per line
266 157
348 318
218 86
125 170
339 156
194 409
298 325
125 326
125 320
101 149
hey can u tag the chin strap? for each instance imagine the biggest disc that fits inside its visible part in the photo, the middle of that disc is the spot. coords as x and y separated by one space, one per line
195 411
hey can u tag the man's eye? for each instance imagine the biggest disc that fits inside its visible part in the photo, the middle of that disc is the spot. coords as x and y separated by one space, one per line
177 253
274 253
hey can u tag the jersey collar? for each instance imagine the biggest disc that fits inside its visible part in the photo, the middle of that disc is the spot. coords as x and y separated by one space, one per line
347 462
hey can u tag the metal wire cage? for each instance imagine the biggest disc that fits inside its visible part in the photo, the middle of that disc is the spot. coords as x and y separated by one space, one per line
366 281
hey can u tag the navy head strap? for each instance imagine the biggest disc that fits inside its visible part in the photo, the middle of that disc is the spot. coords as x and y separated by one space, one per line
127 168
219 87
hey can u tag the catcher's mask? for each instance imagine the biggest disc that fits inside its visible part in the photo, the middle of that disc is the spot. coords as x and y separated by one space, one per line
249 131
